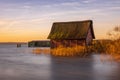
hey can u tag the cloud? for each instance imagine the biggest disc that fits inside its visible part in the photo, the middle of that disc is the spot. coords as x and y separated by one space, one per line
27 7
63 4
70 4
115 8
88 1
6 24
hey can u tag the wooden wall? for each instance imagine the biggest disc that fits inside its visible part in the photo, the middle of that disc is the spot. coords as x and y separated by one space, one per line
89 37
66 43
73 43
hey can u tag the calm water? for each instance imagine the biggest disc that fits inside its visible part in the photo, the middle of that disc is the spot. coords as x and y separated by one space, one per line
22 64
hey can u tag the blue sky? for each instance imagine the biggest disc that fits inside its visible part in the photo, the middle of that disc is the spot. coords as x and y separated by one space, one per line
25 20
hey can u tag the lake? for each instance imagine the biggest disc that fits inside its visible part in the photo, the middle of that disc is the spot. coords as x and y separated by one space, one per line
22 64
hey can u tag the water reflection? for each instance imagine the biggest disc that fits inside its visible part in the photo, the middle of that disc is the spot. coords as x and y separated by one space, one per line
22 64
104 68
41 51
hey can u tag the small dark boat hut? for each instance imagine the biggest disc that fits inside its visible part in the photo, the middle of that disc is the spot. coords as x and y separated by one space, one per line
70 34
40 43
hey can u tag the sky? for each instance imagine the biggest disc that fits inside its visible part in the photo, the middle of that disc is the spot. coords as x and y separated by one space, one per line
26 20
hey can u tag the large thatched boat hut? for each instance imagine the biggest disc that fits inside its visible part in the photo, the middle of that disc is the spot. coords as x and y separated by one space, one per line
70 34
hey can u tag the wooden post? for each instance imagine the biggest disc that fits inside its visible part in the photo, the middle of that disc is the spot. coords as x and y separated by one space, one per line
76 44
70 43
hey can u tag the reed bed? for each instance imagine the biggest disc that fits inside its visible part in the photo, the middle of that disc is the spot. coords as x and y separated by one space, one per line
108 47
41 51
69 51
111 47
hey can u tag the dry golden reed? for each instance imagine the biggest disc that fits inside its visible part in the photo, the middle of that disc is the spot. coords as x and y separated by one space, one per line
40 51
68 51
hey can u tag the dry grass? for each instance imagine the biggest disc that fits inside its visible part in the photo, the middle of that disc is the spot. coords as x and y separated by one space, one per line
108 47
105 47
62 51
68 51
40 51
116 57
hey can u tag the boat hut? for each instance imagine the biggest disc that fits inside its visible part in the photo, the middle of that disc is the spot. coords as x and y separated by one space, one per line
70 34
40 43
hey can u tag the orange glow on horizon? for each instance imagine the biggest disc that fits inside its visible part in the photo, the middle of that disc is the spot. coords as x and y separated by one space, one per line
26 38
21 38
18 32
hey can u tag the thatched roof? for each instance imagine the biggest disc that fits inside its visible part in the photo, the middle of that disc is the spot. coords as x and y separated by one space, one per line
71 30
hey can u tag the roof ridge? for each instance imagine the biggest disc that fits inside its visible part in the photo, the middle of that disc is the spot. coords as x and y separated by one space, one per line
73 21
